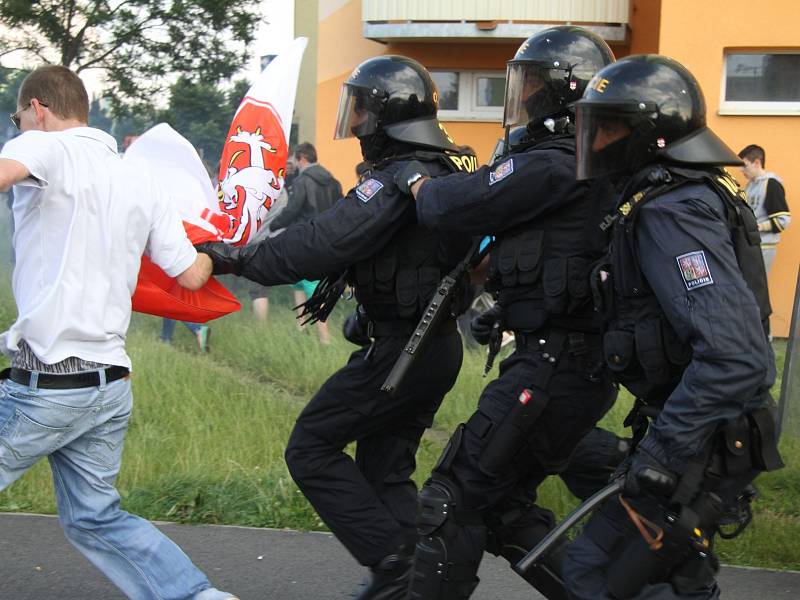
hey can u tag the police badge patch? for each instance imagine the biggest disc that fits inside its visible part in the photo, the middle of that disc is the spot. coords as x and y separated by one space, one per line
694 269
368 189
501 171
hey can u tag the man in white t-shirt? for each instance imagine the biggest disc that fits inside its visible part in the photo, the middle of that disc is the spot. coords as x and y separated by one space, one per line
83 220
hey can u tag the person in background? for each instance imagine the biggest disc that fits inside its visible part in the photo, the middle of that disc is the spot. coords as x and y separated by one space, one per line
313 191
200 331
766 196
84 218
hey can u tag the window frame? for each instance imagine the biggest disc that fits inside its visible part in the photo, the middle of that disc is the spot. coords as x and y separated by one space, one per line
756 107
468 110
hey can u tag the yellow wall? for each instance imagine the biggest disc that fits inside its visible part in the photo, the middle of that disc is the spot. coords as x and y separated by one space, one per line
696 34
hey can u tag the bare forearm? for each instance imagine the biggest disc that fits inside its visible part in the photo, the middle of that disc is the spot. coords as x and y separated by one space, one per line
197 275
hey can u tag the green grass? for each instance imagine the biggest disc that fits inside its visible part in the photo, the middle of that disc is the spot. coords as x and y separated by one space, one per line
207 435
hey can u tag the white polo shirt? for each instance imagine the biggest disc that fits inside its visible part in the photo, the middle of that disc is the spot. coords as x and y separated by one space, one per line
82 222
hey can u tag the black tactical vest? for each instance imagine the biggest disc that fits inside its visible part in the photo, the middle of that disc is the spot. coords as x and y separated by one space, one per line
397 282
641 348
539 270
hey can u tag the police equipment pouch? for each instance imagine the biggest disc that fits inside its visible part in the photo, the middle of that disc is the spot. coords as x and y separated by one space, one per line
439 309
508 438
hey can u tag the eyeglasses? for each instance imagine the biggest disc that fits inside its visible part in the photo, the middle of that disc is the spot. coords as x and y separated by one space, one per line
15 117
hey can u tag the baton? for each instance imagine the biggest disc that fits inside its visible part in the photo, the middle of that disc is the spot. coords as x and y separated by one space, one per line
591 503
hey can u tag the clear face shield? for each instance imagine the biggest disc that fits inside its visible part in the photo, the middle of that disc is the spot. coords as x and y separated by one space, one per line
532 92
604 143
358 113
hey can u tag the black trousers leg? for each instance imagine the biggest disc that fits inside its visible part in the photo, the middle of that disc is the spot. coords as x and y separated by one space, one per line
369 503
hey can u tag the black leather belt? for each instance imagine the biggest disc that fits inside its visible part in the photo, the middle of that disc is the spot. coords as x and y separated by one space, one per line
402 328
64 381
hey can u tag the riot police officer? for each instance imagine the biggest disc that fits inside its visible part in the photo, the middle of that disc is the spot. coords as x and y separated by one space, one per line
551 390
371 238
685 297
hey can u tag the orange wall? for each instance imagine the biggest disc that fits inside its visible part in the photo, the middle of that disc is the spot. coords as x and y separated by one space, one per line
342 47
696 34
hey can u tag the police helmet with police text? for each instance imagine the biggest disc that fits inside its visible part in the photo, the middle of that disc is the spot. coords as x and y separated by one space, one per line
549 71
394 95
641 109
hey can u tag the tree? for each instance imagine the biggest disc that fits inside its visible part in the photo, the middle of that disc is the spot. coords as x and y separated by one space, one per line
202 113
136 43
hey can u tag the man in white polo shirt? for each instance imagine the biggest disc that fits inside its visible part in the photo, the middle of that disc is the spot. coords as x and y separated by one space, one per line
83 220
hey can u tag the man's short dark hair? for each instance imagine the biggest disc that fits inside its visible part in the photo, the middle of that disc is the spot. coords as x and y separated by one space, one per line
753 152
307 151
60 89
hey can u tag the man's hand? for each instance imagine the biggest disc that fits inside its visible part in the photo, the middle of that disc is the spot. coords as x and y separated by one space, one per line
645 475
224 257
483 325
410 177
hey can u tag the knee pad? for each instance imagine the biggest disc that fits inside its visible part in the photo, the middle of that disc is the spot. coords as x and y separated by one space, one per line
448 550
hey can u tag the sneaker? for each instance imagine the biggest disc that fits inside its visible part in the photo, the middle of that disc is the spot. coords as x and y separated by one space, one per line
202 337
214 594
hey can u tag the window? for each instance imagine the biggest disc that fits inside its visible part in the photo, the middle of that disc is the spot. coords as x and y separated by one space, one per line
470 95
761 83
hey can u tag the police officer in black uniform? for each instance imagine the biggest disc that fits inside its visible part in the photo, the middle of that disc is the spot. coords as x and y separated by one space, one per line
685 296
551 390
394 266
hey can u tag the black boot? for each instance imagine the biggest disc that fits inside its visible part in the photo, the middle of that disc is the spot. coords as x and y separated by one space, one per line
388 579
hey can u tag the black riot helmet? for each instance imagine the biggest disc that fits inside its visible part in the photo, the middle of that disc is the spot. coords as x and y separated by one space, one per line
395 96
549 71
642 109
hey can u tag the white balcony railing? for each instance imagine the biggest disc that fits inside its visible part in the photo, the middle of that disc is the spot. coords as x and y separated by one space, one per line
397 20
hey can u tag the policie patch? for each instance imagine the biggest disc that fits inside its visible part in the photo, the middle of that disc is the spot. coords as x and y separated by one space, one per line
694 269
368 189
501 171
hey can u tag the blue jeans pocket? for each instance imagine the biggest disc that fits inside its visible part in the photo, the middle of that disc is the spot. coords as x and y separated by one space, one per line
105 441
22 438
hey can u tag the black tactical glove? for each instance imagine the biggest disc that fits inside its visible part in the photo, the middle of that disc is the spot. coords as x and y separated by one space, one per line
224 256
486 322
354 328
409 174
645 475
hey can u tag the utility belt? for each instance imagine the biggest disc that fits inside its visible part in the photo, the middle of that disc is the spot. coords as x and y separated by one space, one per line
403 328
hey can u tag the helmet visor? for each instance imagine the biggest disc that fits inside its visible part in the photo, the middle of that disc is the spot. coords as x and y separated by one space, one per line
604 143
358 113
532 92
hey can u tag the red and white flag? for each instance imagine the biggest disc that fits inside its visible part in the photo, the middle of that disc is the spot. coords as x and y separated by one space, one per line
251 176
253 163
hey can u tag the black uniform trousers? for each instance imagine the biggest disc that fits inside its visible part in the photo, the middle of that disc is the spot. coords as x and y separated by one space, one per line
576 402
370 503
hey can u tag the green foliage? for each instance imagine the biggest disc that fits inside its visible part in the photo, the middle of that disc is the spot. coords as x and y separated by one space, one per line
136 43
201 111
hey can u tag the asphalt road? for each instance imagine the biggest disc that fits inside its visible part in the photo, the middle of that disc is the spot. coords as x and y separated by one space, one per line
37 563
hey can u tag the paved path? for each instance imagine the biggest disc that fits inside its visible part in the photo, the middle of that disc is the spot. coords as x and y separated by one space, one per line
37 563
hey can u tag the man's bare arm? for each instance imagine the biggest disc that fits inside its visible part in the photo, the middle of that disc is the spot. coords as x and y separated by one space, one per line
196 275
11 172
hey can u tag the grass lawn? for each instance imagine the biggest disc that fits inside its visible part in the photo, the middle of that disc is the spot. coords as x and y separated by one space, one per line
207 435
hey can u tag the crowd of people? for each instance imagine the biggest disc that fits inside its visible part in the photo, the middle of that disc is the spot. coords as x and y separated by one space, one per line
619 252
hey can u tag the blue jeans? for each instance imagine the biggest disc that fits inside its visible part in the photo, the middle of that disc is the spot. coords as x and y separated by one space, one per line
81 431
168 327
